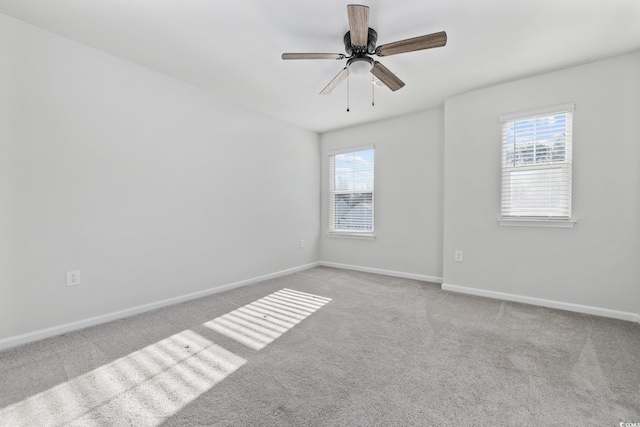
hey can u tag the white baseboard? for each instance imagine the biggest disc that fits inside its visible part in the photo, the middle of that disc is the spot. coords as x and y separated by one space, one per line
392 273
597 311
81 324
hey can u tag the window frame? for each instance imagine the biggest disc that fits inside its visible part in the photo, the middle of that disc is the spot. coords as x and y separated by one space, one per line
353 234
548 220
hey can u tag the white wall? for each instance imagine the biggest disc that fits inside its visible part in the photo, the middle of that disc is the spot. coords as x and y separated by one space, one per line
7 148
408 195
151 187
596 263
156 189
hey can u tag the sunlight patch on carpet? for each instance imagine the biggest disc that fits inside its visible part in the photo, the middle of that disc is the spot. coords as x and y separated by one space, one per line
143 387
261 322
147 386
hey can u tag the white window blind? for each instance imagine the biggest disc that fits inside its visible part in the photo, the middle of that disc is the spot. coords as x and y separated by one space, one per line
536 163
351 191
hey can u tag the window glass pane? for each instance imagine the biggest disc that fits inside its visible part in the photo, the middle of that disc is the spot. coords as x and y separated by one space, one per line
354 171
539 140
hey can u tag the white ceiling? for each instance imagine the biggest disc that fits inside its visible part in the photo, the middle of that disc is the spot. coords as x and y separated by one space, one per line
233 47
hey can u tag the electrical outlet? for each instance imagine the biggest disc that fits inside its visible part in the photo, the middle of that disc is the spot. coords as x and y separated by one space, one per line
458 256
73 278
301 244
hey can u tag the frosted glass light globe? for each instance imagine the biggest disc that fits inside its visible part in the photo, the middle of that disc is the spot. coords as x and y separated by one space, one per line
360 66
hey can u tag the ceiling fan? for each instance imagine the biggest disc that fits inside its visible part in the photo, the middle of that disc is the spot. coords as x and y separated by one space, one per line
360 43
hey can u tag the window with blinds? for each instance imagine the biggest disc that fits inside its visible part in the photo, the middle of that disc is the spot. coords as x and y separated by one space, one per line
536 163
351 191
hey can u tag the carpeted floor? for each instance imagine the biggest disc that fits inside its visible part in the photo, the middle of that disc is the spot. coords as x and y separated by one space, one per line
331 347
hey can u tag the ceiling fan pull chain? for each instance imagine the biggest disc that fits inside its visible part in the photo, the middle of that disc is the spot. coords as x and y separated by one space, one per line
373 91
347 93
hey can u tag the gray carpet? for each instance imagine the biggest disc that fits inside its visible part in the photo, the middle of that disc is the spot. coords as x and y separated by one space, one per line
331 347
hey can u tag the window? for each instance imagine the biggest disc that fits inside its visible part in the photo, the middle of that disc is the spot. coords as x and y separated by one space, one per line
536 164
351 192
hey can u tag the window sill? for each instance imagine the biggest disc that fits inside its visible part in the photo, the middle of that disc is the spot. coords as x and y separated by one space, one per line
347 235
537 222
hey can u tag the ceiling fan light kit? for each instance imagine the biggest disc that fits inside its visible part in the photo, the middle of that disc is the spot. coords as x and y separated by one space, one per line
360 42
360 65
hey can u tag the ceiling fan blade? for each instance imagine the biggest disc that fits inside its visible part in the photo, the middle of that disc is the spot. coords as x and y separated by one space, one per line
409 45
386 76
358 24
336 81
312 56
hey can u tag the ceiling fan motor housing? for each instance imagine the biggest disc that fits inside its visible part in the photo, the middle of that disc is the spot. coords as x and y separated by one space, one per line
370 48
